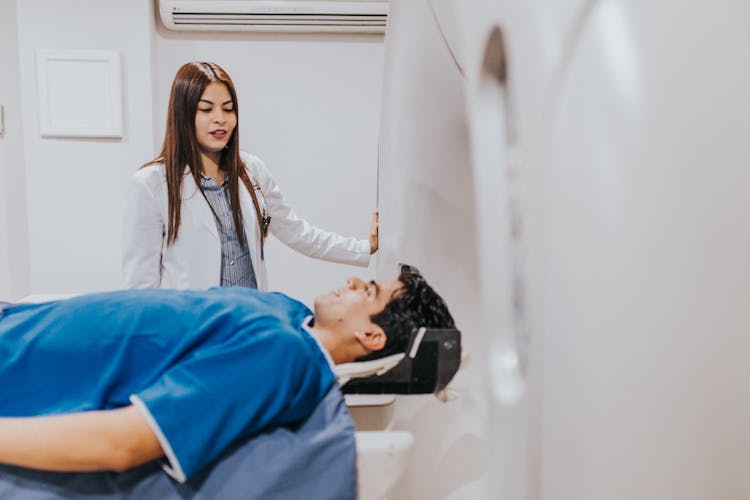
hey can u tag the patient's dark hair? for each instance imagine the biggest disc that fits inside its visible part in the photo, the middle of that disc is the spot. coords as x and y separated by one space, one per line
413 306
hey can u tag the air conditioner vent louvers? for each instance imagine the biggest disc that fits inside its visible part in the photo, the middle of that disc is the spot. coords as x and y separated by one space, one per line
251 15
301 19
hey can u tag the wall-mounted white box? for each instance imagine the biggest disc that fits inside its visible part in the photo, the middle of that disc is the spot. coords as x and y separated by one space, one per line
80 93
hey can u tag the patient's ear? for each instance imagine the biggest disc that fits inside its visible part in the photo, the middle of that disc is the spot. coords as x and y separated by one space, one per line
372 340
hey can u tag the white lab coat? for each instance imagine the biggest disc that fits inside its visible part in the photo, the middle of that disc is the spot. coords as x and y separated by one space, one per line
193 260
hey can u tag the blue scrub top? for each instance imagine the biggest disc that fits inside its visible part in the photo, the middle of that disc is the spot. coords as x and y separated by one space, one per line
204 367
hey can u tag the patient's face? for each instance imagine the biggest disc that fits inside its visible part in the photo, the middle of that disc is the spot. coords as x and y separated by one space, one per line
351 306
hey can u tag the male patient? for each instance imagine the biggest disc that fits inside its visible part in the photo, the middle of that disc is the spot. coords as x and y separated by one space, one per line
109 381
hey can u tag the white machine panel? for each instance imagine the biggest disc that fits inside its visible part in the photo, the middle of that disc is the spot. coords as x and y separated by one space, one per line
426 199
573 176
647 285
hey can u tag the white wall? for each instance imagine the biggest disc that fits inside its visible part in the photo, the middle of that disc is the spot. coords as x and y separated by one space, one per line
75 186
15 279
310 108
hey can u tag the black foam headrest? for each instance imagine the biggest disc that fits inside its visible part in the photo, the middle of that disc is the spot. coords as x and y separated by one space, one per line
431 361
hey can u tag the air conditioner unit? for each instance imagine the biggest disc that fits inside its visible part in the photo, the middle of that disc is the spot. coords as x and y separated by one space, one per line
279 15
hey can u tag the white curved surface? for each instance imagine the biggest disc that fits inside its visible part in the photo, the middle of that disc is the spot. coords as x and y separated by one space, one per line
646 294
635 149
427 219
382 458
632 123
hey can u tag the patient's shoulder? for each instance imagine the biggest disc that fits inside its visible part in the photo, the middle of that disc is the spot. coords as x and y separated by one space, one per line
291 342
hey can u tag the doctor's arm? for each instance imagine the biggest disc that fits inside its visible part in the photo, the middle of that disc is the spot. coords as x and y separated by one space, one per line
85 441
300 235
143 235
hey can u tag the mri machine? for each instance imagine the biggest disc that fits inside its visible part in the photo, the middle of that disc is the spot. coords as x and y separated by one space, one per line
573 176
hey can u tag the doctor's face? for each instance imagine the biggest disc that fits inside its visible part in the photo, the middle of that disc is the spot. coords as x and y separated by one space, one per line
351 306
215 120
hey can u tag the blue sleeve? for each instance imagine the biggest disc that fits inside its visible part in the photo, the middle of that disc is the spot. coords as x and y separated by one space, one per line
216 395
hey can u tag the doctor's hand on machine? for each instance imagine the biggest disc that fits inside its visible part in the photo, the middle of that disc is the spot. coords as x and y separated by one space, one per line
199 213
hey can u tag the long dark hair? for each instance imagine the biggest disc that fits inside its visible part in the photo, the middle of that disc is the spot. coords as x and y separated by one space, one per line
180 146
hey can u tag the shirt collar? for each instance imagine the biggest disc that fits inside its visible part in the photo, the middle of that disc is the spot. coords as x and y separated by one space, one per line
209 182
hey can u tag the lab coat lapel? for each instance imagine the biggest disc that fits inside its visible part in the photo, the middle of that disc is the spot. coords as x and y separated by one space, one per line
195 206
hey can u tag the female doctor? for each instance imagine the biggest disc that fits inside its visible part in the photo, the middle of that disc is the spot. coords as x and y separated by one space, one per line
199 213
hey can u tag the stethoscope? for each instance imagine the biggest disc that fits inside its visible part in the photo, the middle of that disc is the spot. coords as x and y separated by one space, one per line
265 218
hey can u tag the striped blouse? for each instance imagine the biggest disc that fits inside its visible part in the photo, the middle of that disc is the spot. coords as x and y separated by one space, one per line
236 264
